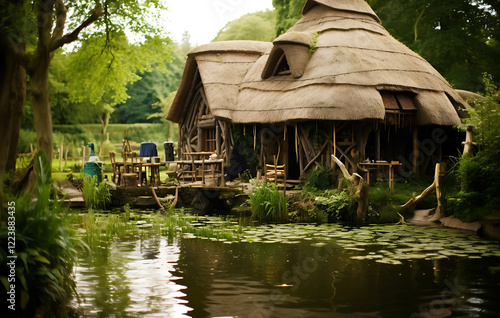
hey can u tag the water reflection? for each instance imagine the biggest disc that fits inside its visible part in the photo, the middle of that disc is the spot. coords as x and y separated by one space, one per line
246 280
312 276
132 279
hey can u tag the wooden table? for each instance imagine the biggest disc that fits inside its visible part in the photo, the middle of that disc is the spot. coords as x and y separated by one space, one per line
155 172
391 165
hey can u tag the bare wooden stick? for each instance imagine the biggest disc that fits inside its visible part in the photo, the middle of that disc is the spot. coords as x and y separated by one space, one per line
415 200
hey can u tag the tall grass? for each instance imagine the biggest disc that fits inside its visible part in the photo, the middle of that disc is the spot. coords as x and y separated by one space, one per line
96 195
46 250
268 203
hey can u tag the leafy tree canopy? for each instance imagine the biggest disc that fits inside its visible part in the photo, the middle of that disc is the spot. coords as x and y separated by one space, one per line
288 12
258 26
458 37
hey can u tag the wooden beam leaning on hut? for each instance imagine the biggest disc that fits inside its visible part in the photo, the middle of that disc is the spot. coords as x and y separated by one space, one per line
359 187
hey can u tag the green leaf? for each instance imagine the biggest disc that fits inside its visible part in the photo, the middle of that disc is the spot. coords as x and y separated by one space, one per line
41 259
43 169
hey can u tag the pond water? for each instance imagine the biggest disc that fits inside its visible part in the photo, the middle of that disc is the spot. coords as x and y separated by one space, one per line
295 271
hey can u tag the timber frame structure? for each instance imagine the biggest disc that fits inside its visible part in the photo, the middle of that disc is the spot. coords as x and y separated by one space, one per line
337 83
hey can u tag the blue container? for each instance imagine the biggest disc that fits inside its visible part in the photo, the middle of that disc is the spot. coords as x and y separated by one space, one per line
93 169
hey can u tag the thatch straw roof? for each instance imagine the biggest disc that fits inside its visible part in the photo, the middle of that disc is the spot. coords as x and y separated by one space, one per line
339 56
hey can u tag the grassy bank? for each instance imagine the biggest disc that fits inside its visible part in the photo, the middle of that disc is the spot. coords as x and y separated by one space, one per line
75 136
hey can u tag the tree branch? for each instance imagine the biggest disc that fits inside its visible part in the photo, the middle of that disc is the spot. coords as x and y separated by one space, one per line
61 14
73 36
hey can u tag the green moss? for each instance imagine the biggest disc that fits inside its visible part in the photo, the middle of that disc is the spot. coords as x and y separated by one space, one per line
313 47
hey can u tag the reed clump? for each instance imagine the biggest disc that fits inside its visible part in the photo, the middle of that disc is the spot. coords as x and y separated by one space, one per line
268 203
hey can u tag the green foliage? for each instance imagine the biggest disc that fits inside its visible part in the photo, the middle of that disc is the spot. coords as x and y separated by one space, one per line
115 63
258 26
336 203
96 195
312 49
485 116
459 38
319 179
268 203
288 12
46 250
478 175
153 94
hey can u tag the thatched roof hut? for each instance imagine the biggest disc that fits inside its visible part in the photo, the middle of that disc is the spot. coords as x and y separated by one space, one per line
339 59
367 94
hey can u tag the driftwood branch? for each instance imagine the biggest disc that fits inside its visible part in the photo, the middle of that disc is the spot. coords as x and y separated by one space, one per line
434 186
360 188
158 201
342 167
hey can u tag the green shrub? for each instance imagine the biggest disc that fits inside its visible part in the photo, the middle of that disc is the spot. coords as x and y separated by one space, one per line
268 203
337 204
46 250
478 175
319 179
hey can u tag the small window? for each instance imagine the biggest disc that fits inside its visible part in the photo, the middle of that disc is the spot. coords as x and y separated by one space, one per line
395 101
209 139
282 67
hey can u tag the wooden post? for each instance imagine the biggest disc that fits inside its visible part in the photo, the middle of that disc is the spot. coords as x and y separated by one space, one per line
66 157
223 179
468 143
202 169
437 177
218 139
83 157
31 149
377 144
416 153
61 156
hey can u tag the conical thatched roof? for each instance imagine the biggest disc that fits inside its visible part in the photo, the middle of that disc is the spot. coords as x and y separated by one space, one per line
340 58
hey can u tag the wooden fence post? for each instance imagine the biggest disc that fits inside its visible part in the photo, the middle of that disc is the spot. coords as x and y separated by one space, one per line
83 157
61 156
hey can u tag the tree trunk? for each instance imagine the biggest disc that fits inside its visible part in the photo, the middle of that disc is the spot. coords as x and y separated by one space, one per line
41 105
12 99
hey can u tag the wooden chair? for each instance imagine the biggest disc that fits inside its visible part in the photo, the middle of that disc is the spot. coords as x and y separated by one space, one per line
133 164
276 172
117 173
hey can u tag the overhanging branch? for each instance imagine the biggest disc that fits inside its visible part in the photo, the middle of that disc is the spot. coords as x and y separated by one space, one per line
73 36
61 14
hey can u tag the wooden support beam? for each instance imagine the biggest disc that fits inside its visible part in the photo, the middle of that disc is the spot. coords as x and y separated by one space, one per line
317 155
